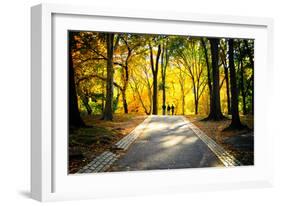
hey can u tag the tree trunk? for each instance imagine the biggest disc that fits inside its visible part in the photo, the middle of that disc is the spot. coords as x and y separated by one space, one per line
155 75
124 100
183 102
103 94
163 75
215 109
164 64
86 104
108 110
182 95
125 105
155 95
226 74
251 57
235 121
227 89
126 80
164 96
242 87
196 107
75 119
195 98
208 73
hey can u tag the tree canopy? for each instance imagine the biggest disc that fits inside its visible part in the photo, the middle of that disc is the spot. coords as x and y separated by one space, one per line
144 73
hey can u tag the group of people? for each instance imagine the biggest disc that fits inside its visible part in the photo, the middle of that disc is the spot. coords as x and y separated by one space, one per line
169 109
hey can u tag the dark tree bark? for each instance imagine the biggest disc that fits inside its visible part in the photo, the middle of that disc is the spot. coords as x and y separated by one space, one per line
155 75
227 89
125 69
108 110
215 109
163 76
251 56
103 94
226 74
75 119
235 121
242 86
124 100
208 72
86 104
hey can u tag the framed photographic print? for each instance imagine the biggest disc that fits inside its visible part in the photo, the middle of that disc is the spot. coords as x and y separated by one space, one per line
138 102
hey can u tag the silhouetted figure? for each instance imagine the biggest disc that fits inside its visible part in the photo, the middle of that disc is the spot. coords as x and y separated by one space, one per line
168 109
173 109
164 109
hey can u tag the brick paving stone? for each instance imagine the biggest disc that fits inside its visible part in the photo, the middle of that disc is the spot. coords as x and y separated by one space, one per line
100 163
226 158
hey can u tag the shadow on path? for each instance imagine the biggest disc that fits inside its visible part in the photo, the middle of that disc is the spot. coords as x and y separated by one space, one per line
167 143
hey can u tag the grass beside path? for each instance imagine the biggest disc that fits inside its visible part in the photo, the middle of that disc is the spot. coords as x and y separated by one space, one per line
87 143
233 141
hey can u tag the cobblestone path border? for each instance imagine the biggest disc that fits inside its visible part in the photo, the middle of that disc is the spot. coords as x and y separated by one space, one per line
227 159
106 159
100 163
125 142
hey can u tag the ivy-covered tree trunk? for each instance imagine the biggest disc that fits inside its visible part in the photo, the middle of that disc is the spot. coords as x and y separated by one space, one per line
75 119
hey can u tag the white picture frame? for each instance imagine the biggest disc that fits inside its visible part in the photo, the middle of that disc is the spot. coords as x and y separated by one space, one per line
49 181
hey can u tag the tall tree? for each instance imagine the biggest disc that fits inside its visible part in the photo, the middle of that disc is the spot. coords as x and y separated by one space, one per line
226 74
165 56
235 121
215 109
154 69
108 110
242 84
249 46
125 74
181 76
75 119
210 86
130 42
191 56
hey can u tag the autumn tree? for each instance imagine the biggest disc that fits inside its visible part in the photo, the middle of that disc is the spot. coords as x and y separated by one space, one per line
249 47
190 55
108 110
235 120
165 57
223 56
122 73
127 49
209 69
75 119
215 106
154 61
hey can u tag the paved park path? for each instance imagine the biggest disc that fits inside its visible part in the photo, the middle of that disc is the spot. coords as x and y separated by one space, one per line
167 142
163 142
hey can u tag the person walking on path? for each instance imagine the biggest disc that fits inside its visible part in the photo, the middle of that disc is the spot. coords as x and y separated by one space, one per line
164 109
173 109
168 109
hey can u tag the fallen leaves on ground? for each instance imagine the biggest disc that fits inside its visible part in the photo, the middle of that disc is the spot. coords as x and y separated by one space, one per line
214 129
87 143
